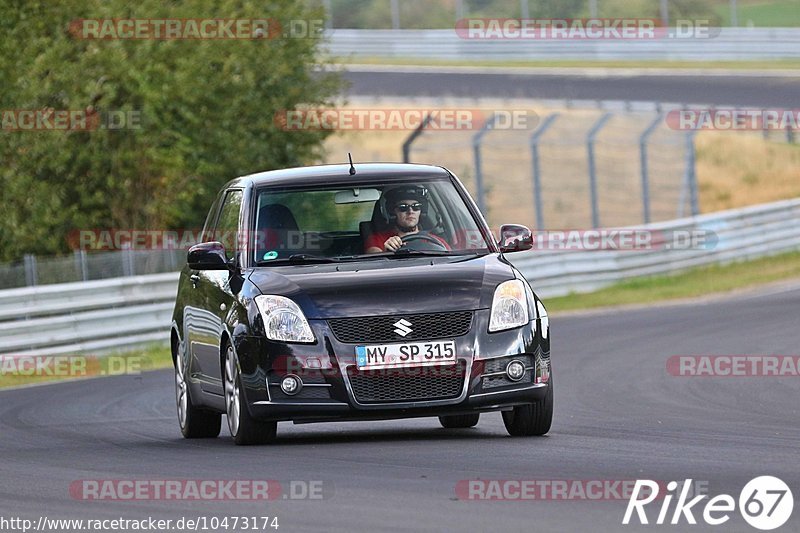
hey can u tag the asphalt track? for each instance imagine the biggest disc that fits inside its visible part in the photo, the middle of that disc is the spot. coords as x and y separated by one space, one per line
758 91
619 416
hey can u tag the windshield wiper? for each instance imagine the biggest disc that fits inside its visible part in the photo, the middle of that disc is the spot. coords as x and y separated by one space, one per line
405 252
310 258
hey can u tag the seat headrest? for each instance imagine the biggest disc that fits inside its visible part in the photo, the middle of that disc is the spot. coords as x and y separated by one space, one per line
276 216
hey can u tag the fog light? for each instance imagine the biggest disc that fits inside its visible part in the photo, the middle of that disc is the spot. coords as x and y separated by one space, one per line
291 384
515 370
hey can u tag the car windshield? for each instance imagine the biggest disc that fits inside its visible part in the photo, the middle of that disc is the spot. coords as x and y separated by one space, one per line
337 222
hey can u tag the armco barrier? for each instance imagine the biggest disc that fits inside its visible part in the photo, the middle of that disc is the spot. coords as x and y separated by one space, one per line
93 316
731 44
115 314
746 233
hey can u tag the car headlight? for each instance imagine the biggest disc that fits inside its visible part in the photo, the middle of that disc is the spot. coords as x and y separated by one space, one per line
283 319
509 306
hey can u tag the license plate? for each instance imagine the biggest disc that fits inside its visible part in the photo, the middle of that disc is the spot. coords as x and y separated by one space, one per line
406 354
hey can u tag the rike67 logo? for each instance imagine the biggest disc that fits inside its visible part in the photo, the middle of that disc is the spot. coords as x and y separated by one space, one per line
765 503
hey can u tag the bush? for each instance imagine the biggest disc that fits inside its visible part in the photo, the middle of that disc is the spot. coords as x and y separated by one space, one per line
206 110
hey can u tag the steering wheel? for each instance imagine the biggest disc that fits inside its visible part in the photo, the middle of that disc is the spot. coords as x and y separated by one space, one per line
422 241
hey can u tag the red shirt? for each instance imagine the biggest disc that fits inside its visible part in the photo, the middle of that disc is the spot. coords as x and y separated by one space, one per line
376 240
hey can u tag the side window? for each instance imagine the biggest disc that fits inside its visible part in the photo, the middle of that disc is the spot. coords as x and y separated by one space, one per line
208 227
228 223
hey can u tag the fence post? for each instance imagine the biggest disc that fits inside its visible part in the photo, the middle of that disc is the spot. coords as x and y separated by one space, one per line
127 261
80 265
31 275
590 137
537 176
413 137
328 14
476 149
692 175
645 170
689 186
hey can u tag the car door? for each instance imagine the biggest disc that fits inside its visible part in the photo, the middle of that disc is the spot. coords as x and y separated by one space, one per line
217 293
194 298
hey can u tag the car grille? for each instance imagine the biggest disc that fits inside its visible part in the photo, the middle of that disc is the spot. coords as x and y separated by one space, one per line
381 328
499 365
407 384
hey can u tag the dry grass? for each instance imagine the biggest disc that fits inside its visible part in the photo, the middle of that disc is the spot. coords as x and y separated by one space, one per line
739 169
733 169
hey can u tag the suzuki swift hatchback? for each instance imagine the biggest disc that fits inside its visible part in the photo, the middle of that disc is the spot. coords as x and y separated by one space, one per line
335 293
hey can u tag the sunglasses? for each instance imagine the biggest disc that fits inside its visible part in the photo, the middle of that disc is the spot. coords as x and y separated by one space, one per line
407 207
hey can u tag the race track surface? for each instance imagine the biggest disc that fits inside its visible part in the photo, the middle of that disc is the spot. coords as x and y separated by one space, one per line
764 91
619 416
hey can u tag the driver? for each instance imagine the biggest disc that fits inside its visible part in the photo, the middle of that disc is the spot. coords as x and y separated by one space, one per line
403 207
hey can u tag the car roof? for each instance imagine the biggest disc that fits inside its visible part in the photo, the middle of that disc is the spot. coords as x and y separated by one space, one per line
321 174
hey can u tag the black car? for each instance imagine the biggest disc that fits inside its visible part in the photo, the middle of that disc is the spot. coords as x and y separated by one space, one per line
335 293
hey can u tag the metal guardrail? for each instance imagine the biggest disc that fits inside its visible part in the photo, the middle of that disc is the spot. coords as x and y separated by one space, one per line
93 316
730 44
746 233
115 314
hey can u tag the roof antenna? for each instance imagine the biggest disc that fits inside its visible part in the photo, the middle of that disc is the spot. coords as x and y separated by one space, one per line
352 168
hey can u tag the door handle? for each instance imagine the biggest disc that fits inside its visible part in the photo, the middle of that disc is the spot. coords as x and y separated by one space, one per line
195 279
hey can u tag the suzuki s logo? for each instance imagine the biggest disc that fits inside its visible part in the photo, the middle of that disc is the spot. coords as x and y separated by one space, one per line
403 327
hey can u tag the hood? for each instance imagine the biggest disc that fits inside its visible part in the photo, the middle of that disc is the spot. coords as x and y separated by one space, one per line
381 287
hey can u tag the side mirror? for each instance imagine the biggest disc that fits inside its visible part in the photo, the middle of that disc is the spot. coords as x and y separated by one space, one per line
515 238
207 256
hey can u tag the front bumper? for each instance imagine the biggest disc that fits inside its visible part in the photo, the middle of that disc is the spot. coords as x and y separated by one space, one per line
328 369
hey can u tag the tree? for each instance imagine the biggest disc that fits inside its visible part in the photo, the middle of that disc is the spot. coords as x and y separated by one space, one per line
205 112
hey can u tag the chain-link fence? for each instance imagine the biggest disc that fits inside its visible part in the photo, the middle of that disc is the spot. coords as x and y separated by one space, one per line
577 165
578 168
85 266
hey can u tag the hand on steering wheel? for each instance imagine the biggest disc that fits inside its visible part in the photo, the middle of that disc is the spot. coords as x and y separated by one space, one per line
423 241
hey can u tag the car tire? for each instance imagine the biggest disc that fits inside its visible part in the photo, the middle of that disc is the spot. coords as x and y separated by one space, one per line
244 429
459 421
195 423
531 419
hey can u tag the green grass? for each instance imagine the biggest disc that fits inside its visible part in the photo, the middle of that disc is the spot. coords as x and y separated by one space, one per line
732 65
781 13
82 366
692 283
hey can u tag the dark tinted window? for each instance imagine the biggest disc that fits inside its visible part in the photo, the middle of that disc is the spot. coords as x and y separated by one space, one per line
211 219
228 222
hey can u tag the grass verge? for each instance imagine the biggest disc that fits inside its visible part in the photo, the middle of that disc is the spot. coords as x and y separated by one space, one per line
696 282
26 371
775 13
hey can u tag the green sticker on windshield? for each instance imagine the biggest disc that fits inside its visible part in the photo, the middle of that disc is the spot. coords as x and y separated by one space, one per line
269 256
